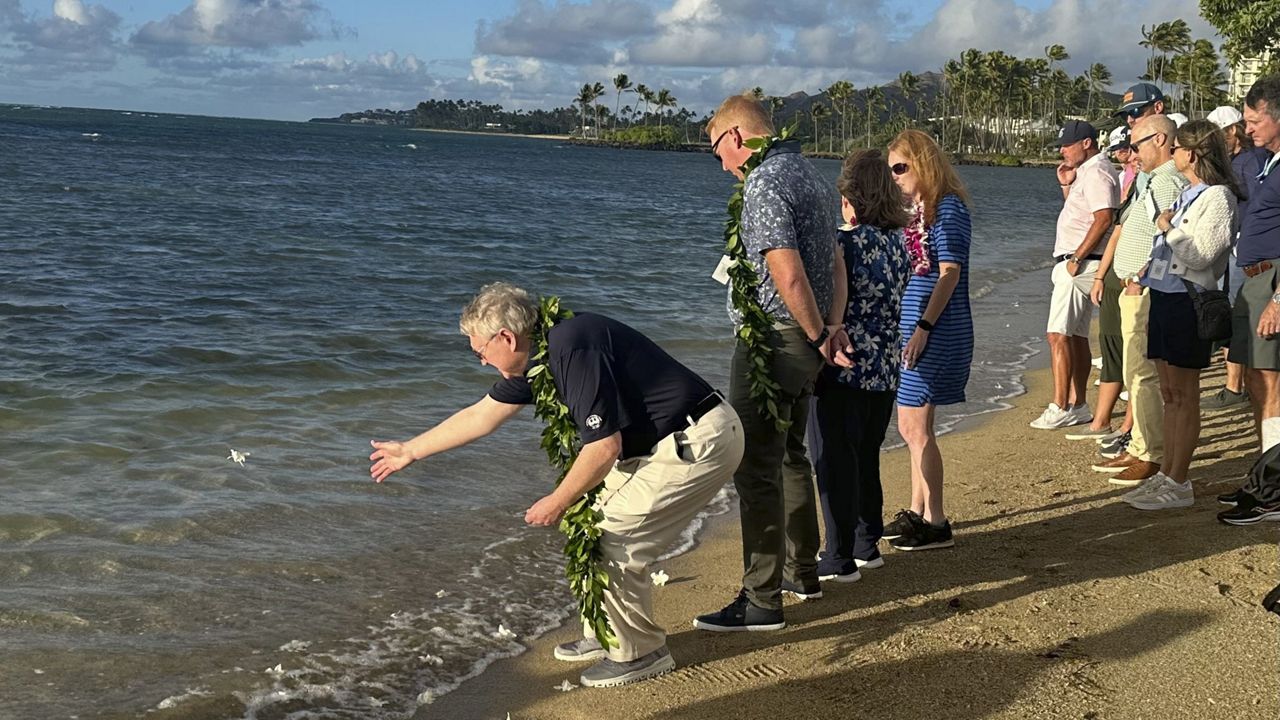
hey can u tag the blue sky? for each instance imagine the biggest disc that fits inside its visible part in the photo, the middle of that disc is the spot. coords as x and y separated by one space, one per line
294 59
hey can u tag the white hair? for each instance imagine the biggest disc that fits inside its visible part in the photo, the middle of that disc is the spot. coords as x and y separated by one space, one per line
500 306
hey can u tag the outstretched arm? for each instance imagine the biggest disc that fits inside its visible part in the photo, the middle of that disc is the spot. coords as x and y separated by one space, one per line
464 426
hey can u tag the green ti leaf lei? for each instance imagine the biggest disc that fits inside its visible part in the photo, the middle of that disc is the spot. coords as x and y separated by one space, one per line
757 325
587 580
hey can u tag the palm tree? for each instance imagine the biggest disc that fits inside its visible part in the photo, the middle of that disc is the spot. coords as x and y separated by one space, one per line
874 99
644 93
757 92
818 111
840 94
663 100
1055 54
597 92
1099 78
584 100
909 84
621 83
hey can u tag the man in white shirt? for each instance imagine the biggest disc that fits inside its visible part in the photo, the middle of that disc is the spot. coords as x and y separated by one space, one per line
1091 193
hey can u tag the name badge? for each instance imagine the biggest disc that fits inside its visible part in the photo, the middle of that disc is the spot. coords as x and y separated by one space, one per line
721 274
1158 269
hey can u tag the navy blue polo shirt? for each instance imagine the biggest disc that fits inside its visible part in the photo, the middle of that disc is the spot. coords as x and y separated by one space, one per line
1260 223
613 379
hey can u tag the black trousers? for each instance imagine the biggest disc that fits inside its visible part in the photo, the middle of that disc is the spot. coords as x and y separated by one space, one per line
846 429
1264 478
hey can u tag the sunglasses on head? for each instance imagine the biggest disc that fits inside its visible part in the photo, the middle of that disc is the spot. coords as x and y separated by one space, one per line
900 168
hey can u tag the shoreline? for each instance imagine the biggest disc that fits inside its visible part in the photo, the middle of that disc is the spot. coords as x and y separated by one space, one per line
1058 601
491 134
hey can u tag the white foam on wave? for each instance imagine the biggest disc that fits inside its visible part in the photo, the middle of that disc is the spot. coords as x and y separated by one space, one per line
174 701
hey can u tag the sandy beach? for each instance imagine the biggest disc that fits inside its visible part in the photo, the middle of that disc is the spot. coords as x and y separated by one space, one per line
1058 601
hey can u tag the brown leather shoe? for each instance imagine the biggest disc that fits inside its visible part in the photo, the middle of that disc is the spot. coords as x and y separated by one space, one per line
1135 474
1116 464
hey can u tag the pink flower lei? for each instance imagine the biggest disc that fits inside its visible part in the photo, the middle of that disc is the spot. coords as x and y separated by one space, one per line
917 236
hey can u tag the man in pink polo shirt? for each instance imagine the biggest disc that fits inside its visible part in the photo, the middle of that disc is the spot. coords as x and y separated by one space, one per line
1091 193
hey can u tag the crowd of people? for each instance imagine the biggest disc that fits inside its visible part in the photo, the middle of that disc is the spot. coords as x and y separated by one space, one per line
1191 210
874 314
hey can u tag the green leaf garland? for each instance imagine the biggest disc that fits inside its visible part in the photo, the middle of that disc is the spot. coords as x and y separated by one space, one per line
756 325
560 440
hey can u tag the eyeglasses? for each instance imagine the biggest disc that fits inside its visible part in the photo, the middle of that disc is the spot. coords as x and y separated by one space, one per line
480 353
900 168
1138 111
1176 148
716 144
1135 143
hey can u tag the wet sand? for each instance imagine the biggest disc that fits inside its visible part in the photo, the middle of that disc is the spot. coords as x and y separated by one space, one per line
1058 601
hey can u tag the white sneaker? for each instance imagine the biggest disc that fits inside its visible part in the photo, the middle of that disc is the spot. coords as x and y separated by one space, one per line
1053 418
1148 486
1081 414
1169 495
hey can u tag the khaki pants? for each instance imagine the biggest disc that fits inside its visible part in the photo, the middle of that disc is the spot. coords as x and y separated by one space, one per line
647 502
1147 441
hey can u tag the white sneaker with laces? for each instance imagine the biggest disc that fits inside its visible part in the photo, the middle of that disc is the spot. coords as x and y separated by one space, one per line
1053 418
1169 495
1148 486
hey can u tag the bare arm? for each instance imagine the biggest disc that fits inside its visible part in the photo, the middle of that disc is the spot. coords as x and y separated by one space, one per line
466 425
1101 224
1104 267
948 278
838 348
787 270
588 471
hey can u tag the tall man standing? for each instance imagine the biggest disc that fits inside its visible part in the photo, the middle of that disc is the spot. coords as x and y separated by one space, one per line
1091 193
788 229
1152 140
1255 340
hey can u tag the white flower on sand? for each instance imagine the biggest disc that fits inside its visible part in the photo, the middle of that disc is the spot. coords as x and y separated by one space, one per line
565 686
659 578
502 633
441 593
237 457
277 671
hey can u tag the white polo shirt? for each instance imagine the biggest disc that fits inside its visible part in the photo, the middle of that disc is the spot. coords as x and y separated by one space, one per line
1096 187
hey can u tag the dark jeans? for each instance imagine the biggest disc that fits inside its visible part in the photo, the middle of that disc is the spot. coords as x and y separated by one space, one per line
774 481
846 429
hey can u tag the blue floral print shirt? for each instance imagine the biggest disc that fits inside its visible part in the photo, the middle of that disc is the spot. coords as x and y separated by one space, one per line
878 271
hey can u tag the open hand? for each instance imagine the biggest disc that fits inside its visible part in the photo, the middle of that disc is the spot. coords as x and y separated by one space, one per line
1095 293
1066 174
546 512
388 456
1269 323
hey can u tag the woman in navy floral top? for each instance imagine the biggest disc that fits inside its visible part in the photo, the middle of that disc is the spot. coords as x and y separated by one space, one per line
851 407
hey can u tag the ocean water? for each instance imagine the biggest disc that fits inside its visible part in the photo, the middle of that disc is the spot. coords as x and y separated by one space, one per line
176 287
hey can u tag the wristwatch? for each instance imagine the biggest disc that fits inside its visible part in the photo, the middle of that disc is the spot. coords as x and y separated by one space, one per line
1276 298
816 343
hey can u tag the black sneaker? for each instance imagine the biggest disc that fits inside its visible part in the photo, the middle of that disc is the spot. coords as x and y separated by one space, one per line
1248 513
1272 600
811 590
926 537
741 615
844 571
902 524
1235 497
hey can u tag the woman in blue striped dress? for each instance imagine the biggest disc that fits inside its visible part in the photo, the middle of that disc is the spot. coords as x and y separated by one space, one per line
936 326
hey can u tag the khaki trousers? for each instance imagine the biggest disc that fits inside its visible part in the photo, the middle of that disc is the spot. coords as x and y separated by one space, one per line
1140 376
647 502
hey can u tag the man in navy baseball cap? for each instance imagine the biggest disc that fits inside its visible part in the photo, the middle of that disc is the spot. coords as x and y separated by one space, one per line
1073 131
1140 101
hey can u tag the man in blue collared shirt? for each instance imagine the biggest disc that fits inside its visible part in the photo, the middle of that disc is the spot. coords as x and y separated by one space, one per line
1255 339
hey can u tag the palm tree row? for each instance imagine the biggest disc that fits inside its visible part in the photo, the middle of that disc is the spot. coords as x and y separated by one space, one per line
662 100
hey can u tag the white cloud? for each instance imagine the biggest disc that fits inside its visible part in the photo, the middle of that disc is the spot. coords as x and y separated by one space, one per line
243 24
75 38
564 32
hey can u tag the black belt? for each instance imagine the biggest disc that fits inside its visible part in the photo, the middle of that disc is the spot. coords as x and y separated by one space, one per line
704 406
1060 258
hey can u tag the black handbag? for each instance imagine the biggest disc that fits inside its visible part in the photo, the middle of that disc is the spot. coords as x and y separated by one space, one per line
1213 312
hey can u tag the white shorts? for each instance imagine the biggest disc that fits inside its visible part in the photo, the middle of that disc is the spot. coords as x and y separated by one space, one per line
1070 309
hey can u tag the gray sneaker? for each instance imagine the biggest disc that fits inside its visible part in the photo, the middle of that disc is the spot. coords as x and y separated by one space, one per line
1224 399
611 673
580 650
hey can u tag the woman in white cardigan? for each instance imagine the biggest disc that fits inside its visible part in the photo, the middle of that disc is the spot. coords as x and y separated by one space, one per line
1194 244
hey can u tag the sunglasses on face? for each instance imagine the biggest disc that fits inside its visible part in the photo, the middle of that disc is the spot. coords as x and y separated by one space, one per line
900 168
1138 111
1134 145
716 144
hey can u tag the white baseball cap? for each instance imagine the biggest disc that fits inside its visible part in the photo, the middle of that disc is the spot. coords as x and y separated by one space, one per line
1224 116
1178 119
1119 139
